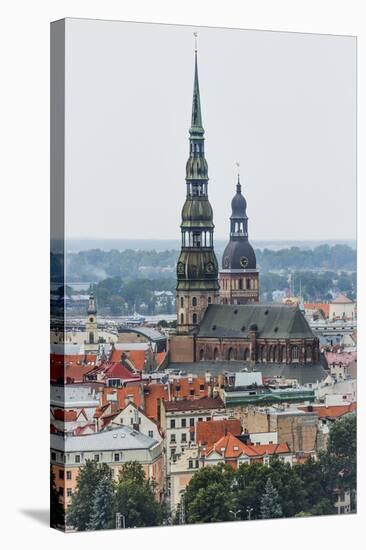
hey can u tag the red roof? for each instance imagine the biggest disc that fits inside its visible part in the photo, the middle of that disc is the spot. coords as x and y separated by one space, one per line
342 299
207 433
345 357
324 307
71 368
137 358
333 411
231 447
117 370
64 415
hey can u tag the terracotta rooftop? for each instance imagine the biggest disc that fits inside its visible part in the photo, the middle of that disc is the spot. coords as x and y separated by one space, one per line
345 357
208 432
342 299
333 411
231 447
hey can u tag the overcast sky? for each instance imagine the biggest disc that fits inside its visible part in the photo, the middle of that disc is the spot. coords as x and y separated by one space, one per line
282 104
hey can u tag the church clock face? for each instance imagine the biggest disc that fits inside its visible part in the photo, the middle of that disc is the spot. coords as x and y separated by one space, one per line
180 268
210 267
226 262
244 261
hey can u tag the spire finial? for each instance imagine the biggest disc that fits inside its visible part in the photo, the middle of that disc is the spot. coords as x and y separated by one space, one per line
195 34
238 185
196 107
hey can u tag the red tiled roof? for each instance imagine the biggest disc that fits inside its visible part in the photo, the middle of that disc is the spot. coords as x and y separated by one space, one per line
189 387
65 415
160 356
117 370
342 299
153 394
345 357
230 447
324 307
333 411
207 433
71 368
194 404
137 358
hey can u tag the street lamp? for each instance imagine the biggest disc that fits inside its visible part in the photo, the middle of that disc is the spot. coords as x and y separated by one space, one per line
118 520
249 512
235 513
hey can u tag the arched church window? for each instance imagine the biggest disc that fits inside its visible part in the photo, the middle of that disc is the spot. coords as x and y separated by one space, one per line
231 354
209 300
246 354
181 301
91 338
248 284
295 353
194 301
194 318
182 319
201 354
216 354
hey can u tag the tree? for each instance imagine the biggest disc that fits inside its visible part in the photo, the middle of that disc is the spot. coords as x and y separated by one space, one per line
102 509
82 504
270 502
209 496
135 498
57 513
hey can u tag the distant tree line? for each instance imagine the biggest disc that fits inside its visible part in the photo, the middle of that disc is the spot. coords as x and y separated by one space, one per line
95 265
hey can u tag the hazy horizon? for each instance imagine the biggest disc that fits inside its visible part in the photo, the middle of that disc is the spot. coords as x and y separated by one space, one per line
282 104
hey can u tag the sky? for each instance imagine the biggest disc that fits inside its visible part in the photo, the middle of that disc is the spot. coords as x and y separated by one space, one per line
283 105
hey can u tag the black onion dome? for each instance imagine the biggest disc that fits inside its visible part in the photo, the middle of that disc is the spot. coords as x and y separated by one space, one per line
239 255
238 204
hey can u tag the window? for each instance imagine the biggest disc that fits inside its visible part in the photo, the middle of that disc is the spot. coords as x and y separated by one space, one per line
295 353
116 457
177 388
53 456
61 474
181 319
191 436
197 463
68 474
191 422
200 419
202 387
194 301
69 492
96 458
208 418
184 422
194 318
151 433
209 300
172 423
77 459
184 438
172 438
61 491
191 392
182 302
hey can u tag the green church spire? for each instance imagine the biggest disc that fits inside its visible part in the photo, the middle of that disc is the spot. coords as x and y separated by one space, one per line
197 268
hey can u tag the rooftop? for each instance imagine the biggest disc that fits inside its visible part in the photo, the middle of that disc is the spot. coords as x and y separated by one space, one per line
194 404
123 438
271 321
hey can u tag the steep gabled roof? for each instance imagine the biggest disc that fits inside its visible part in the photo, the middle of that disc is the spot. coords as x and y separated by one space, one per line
271 321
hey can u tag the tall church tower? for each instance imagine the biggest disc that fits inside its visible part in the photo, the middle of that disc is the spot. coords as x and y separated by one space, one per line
91 326
197 267
239 277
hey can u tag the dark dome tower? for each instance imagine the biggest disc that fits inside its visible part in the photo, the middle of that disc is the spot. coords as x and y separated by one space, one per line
239 277
197 267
